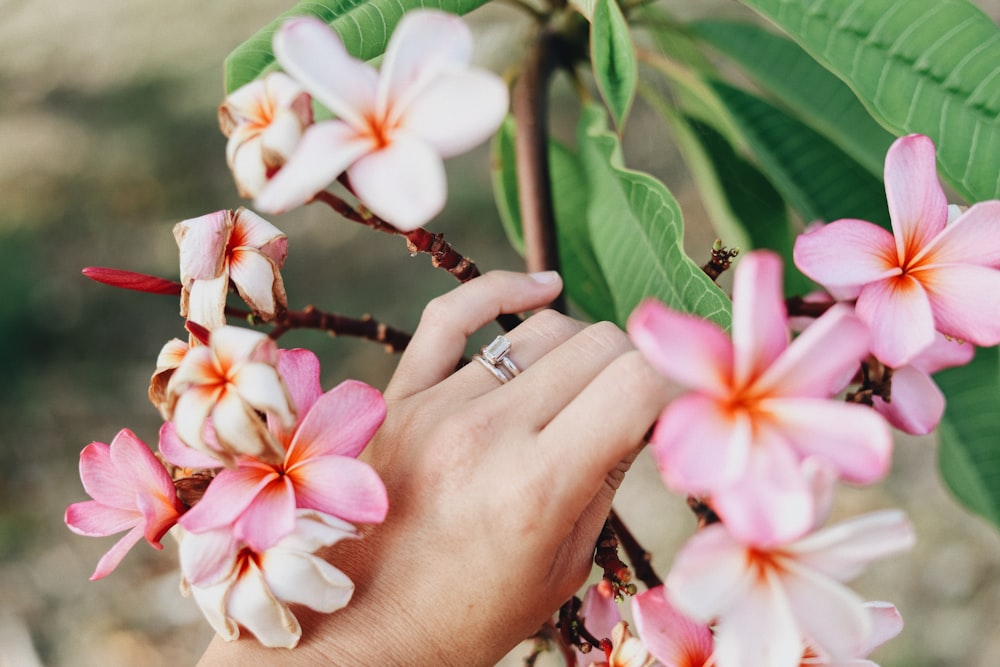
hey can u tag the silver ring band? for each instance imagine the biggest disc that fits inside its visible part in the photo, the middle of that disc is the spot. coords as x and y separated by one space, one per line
496 357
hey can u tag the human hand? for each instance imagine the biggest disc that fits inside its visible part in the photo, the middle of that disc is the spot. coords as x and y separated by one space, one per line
497 492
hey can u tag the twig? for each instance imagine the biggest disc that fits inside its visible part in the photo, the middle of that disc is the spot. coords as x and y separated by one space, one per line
720 260
639 557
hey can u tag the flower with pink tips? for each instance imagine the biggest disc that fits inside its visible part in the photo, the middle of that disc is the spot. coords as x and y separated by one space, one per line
131 491
217 394
230 246
770 604
926 275
257 500
759 407
264 121
392 130
236 586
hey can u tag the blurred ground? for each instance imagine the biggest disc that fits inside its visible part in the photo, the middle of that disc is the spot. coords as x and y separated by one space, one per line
107 138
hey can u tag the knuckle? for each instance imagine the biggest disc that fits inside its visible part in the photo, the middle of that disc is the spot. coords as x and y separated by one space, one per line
551 325
607 335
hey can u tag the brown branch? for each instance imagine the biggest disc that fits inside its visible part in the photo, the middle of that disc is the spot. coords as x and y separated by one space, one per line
394 340
572 630
639 557
616 572
529 105
720 260
799 307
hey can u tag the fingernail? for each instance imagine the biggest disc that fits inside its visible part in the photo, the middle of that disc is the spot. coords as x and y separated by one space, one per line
545 277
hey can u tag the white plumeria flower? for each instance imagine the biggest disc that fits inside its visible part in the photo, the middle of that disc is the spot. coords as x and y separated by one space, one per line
768 602
391 131
235 586
264 121
217 394
238 246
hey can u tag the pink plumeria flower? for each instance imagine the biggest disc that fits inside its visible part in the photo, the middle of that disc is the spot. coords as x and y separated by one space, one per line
224 387
237 246
391 131
236 586
264 121
767 602
759 407
131 491
926 275
916 403
318 471
886 623
673 638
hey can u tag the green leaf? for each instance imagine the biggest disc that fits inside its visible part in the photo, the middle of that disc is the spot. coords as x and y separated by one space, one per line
613 59
637 232
673 39
582 277
796 80
969 453
815 176
363 25
927 66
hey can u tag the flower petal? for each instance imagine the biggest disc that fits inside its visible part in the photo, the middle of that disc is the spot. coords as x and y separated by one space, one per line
257 280
325 151
886 624
684 348
699 445
760 321
299 370
846 252
759 628
312 53
974 238
139 468
917 205
202 243
110 560
898 313
600 615
300 578
457 111
252 604
943 353
270 517
851 438
208 558
205 302
228 496
709 573
403 183
843 550
966 302
916 404
341 486
175 452
260 386
341 421
212 601
672 638
822 360
253 231
95 519
239 429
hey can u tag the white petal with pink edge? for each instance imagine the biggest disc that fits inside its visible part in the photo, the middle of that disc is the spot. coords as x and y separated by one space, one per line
759 628
843 550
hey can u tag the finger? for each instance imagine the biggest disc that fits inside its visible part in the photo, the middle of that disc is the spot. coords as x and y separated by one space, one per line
600 427
451 318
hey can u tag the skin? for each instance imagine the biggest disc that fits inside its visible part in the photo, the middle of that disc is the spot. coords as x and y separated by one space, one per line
497 493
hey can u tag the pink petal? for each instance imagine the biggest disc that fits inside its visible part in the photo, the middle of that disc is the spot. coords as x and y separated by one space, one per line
94 519
898 313
160 514
177 453
772 503
299 370
886 624
253 231
403 183
457 111
301 578
252 604
917 205
425 43
760 628
256 279
700 445
341 421
313 54
115 554
202 242
709 574
974 238
851 438
943 353
846 252
599 614
343 487
843 550
325 151
270 517
916 404
829 614
101 480
822 360
139 467
688 349
672 638
227 497
966 302
760 321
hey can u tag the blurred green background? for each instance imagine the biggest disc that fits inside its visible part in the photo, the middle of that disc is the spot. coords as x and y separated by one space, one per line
108 137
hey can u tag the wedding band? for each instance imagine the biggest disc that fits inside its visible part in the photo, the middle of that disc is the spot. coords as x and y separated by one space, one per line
495 357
